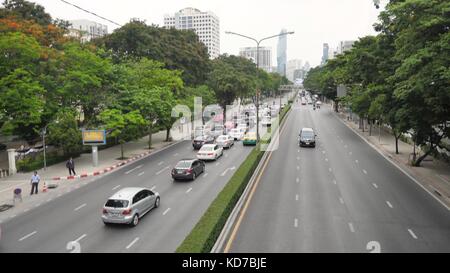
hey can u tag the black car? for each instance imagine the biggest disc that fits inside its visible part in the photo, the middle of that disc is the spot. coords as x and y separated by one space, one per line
307 138
199 141
2 146
188 169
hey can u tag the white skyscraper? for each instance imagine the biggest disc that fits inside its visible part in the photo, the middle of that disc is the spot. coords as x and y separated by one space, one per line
292 65
87 30
205 24
265 56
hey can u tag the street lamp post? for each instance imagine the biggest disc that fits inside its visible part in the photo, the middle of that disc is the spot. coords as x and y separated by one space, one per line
257 67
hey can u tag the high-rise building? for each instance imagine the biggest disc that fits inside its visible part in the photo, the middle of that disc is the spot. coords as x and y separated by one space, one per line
86 30
292 65
325 53
281 53
307 66
265 56
344 46
205 24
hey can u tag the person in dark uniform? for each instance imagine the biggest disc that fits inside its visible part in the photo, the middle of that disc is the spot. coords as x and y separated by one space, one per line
71 166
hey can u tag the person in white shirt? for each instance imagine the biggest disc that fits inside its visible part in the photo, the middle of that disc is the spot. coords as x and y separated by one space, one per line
35 179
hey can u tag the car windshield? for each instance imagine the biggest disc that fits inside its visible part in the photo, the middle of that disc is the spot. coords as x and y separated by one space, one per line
307 134
222 138
199 138
115 203
183 164
206 149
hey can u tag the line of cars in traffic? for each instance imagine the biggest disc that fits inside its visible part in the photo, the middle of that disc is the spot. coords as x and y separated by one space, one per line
130 204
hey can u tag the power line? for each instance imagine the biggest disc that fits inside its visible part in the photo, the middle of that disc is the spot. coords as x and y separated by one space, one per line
80 8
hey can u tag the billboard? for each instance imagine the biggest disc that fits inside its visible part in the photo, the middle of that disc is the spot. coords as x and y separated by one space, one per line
94 137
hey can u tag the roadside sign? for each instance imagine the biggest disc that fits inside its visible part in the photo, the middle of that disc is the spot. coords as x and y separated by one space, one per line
94 137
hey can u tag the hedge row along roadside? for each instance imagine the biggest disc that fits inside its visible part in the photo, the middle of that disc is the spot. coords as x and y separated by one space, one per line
205 233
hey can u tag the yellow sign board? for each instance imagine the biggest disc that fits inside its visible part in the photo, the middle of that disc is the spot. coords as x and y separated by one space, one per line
91 137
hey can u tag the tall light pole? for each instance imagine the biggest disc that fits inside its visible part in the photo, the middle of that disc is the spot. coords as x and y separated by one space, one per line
257 67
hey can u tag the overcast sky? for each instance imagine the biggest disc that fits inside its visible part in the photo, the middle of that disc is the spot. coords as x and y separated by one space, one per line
314 21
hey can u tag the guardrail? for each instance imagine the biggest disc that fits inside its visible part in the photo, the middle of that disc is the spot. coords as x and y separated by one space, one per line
4 173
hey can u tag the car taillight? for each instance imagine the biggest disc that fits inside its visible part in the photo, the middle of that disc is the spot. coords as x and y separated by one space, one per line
210 154
105 211
189 171
126 212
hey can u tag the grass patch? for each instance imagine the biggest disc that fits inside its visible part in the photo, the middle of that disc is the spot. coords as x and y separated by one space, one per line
205 233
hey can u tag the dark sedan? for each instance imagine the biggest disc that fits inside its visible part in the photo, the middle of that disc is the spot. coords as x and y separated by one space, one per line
188 169
202 140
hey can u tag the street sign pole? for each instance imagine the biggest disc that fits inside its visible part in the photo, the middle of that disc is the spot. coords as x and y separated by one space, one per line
94 155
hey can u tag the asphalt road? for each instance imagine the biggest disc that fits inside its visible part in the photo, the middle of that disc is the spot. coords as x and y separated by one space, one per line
76 215
341 196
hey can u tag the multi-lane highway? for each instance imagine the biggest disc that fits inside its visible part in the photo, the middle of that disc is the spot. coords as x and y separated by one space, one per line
75 216
341 196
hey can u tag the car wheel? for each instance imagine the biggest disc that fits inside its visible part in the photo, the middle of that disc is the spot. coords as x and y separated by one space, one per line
135 220
157 202
194 176
106 224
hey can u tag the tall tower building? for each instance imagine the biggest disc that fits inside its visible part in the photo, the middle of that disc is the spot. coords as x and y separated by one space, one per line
325 50
205 24
265 56
281 53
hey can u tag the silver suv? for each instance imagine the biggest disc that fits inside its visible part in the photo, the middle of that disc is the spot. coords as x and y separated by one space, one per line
128 205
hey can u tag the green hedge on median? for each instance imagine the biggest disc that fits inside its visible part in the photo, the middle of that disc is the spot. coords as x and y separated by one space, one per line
205 233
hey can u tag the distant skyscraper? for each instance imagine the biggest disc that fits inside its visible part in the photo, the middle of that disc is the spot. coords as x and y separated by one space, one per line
281 53
292 65
204 24
307 66
265 56
86 30
325 52
344 46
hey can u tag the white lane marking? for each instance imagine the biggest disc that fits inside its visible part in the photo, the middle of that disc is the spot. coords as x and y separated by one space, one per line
25 210
27 236
37 205
298 151
329 169
81 206
160 163
295 222
298 167
356 161
12 216
412 233
166 211
341 200
296 197
79 238
160 171
205 174
59 195
334 181
298 158
132 243
326 159
152 188
217 164
48 200
116 187
350 225
297 180
226 170
345 146
132 170
364 171
141 174
323 152
189 190
375 185
176 154
350 153
226 155
389 204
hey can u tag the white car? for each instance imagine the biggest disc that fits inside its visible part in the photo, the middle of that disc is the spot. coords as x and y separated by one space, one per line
237 133
242 126
210 152
266 121
225 141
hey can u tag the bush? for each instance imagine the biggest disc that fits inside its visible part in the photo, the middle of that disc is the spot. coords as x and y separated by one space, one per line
30 164
205 233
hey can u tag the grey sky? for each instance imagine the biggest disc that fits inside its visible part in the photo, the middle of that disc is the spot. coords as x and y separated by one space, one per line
314 21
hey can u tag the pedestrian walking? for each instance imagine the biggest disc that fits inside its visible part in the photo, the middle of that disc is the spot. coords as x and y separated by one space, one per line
71 166
35 179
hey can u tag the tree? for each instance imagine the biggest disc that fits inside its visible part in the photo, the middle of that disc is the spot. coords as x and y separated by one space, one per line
124 127
177 49
21 104
64 132
25 10
155 105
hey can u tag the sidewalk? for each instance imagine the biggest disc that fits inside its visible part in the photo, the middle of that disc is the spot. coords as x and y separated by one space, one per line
107 159
434 175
